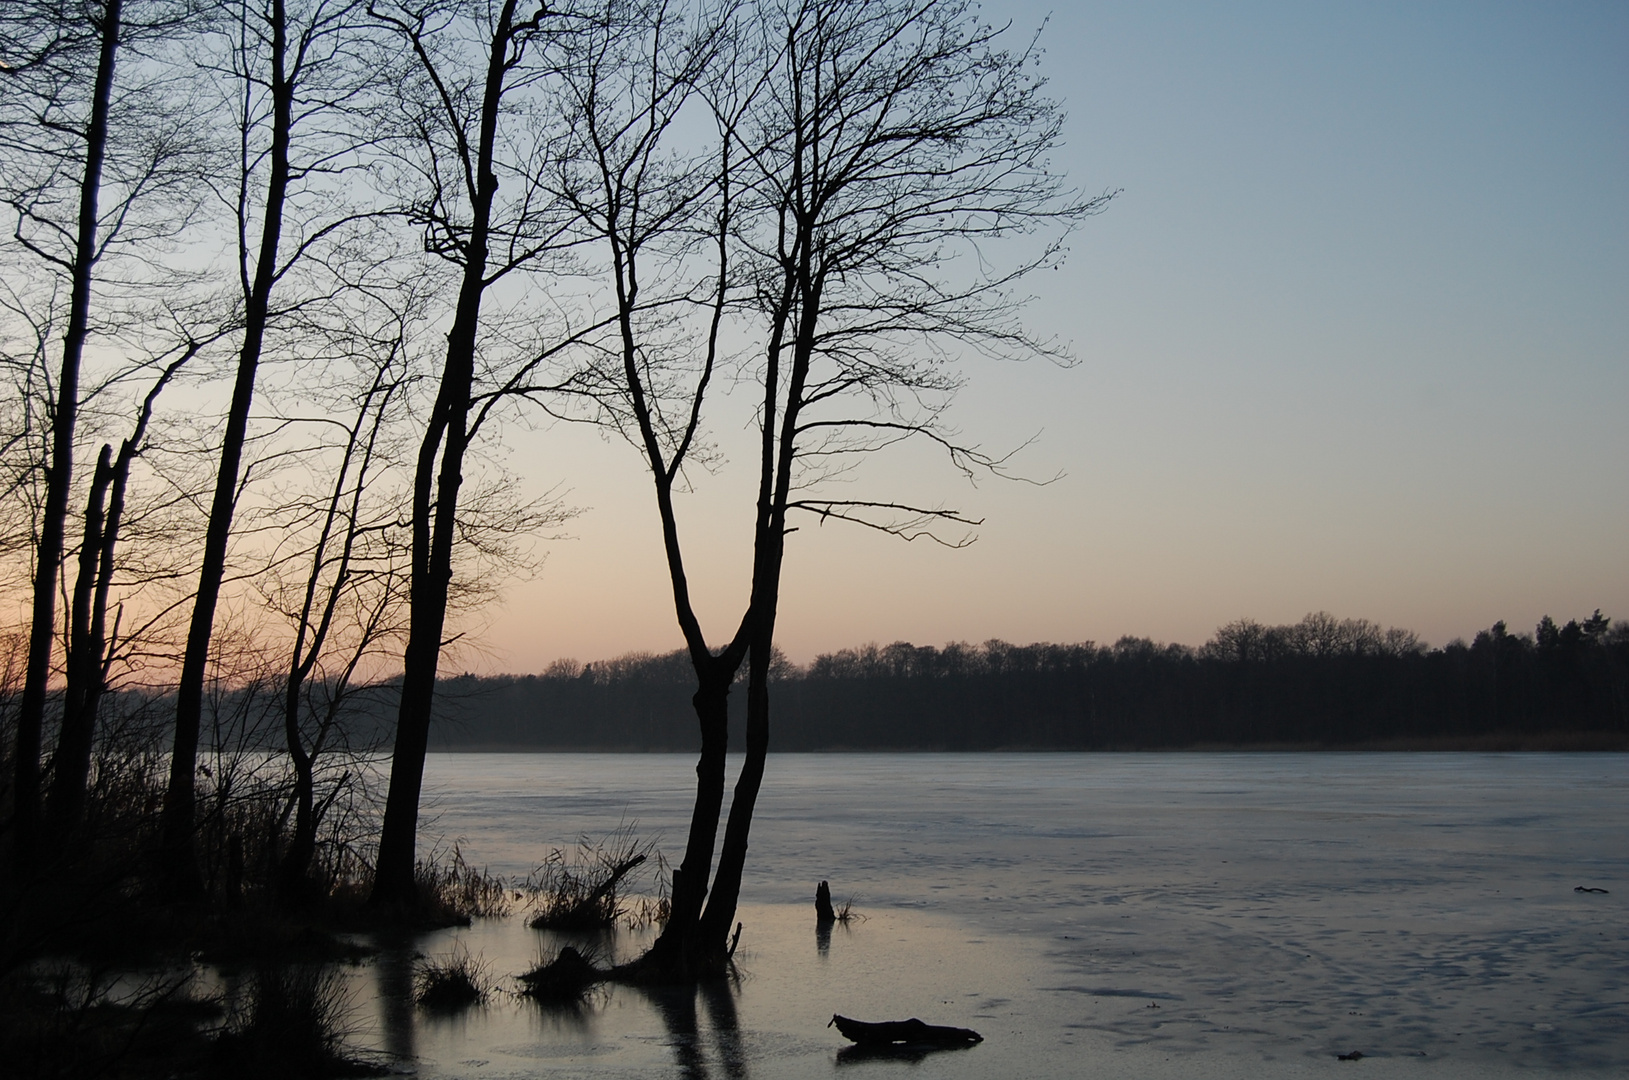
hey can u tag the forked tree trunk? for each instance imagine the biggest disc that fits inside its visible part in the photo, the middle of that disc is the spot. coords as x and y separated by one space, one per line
71 763
677 950
713 933
777 453
88 640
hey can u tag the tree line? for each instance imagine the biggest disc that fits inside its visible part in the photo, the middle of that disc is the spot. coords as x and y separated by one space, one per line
279 272
1319 682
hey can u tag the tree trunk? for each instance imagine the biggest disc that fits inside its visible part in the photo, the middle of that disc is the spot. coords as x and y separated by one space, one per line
393 880
714 932
675 952
294 871
296 860
778 451
177 850
393 884
88 660
59 472
71 762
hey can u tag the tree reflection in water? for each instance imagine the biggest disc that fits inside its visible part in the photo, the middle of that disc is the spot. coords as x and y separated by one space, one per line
393 972
676 1005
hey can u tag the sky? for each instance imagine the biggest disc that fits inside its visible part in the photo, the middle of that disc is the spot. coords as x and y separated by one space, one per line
1354 338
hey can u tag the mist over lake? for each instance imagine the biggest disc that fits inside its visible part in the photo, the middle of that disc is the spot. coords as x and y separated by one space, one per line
1137 914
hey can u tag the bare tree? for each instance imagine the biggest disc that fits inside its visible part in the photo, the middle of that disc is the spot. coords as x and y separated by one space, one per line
60 95
299 69
89 654
477 63
348 604
876 164
662 221
79 264
900 148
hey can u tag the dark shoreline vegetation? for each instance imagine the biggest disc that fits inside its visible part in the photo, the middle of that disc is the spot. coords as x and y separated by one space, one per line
1320 683
95 906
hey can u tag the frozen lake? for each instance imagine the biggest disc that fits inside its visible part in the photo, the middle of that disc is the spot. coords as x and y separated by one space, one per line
1095 914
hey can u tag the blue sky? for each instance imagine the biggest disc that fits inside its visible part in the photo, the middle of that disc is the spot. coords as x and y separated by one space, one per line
1354 338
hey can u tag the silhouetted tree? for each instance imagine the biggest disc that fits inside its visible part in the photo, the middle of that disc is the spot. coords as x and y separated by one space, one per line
296 69
81 189
461 124
351 576
89 653
78 261
661 214
894 140
864 152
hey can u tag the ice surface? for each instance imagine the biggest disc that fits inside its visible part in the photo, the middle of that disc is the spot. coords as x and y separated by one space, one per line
1228 915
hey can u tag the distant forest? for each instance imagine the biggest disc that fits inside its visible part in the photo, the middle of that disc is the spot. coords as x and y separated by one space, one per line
1319 682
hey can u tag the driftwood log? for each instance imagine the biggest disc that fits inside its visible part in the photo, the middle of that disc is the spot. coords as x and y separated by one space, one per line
912 1032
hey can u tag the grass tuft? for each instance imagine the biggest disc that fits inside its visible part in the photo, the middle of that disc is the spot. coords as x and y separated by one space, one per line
564 978
455 893
644 912
583 890
294 1023
453 982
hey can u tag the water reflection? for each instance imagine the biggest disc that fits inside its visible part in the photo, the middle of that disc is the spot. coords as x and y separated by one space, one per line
393 979
677 1008
720 1001
1388 862
823 933
573 1016
913 1053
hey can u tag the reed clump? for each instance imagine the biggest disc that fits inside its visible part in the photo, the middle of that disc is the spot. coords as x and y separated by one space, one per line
847 914
454 893
584 889
293 1022
452 982
564 978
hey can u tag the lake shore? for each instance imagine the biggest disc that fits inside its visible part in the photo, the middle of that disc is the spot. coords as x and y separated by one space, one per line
1560 742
